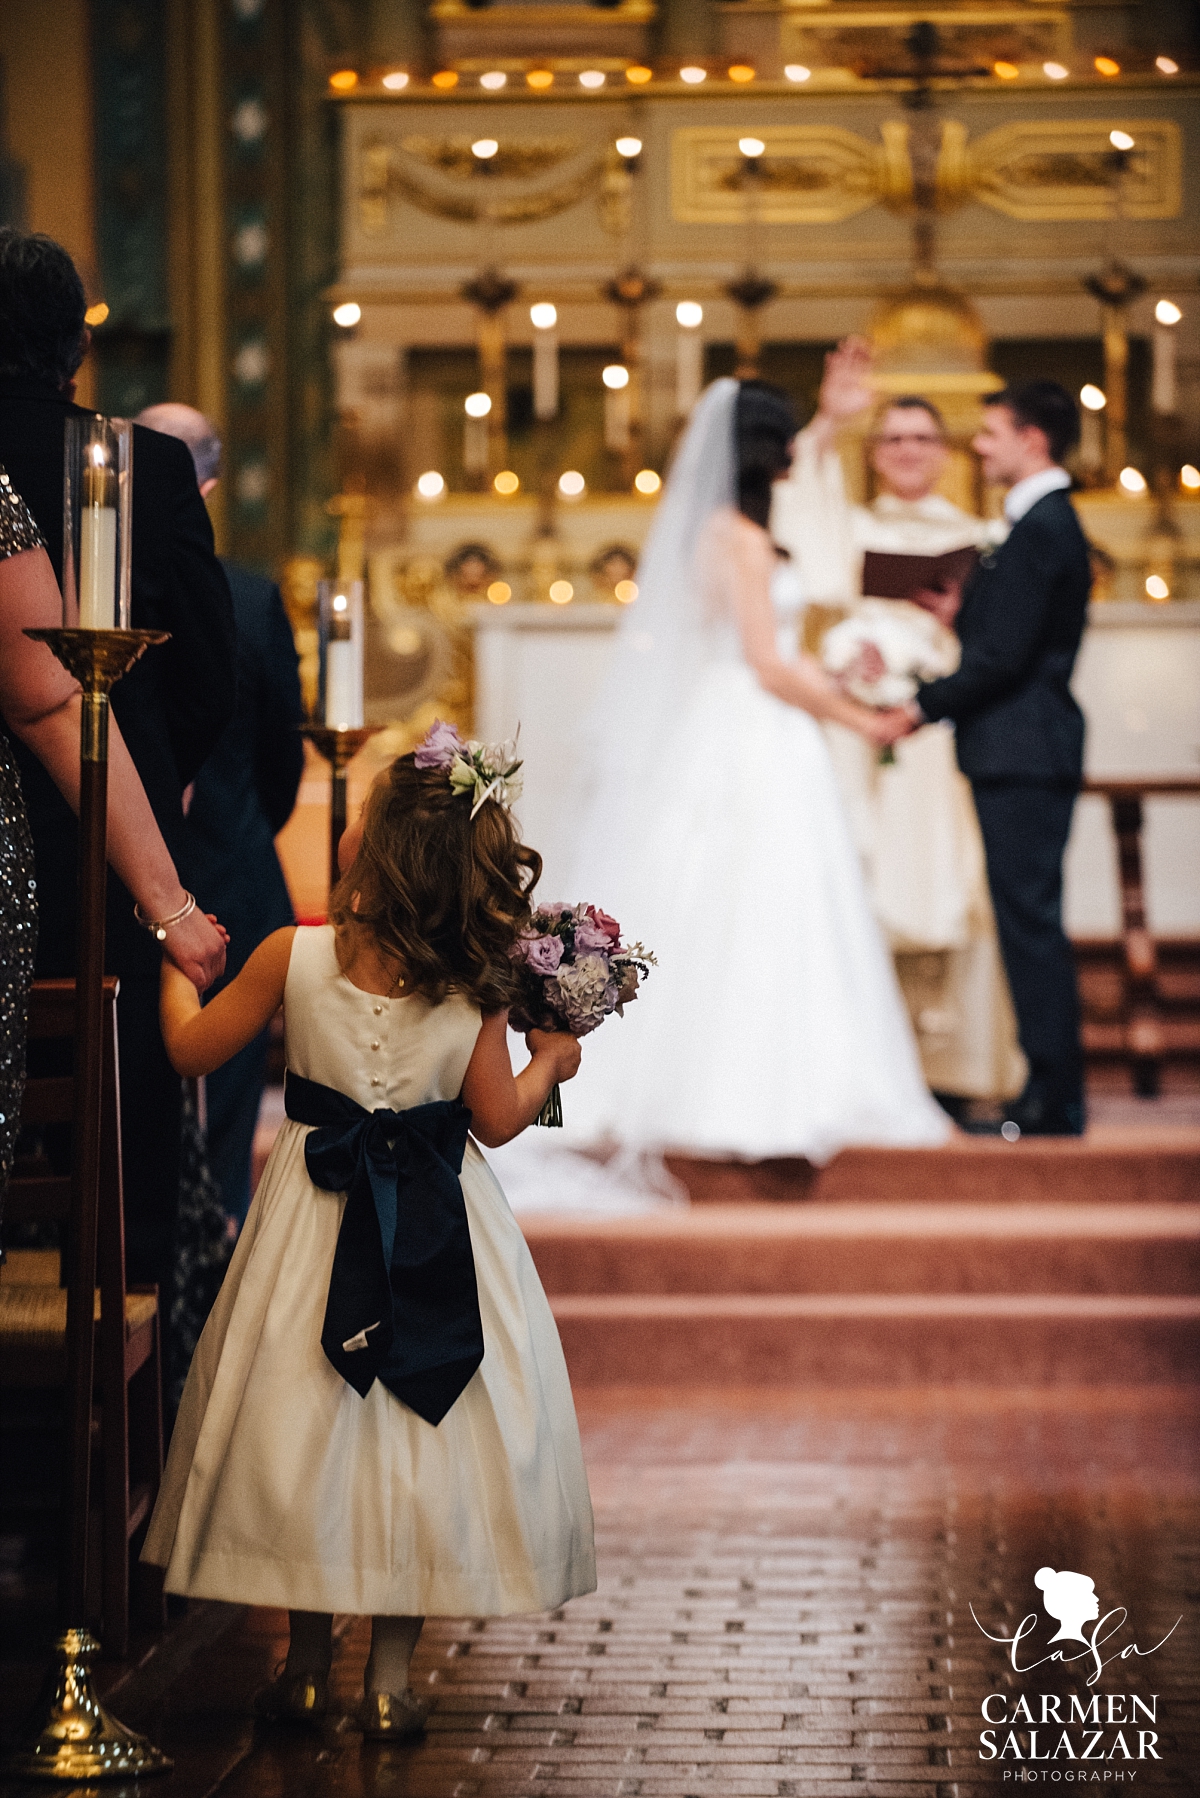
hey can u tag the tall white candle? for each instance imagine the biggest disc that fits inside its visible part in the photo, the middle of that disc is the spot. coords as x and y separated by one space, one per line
1163 395
98 550
1091 440
618 418
689 370
344 658
545 373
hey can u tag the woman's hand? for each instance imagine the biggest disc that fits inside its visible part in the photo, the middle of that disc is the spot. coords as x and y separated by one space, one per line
196 945
559 1048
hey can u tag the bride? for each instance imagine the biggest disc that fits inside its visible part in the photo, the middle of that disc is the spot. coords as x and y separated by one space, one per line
773 1024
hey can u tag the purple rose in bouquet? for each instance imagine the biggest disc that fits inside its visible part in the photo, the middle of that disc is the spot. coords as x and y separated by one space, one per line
574 971
542 953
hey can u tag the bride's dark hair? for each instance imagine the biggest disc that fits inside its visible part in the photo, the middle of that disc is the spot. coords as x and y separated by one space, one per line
763 426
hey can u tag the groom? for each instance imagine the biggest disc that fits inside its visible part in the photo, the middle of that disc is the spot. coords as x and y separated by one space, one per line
1019 733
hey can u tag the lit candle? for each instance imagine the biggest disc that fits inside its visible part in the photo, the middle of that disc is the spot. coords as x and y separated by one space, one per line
344 657
98 544
1163 395
689 356
544 318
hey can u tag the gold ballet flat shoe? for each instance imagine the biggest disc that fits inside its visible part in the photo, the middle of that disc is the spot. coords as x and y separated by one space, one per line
294 1698
392 1716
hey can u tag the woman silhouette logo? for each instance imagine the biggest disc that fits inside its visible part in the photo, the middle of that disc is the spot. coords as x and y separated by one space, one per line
1070 1598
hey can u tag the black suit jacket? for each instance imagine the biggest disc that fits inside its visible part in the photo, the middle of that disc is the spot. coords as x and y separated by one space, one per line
246 789
173 705
1020 625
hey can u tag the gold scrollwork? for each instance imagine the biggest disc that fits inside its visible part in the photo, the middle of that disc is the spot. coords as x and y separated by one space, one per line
1063 169
518 161
1040 172
809 174
386 173
896 170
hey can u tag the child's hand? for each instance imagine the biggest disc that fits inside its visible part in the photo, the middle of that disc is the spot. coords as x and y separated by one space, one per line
558 1047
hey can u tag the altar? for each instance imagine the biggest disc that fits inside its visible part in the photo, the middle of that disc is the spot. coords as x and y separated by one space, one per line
538 667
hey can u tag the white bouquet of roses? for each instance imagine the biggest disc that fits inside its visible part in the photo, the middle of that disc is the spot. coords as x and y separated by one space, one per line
911 643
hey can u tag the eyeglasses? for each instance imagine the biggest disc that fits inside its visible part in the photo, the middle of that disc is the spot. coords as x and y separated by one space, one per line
910 437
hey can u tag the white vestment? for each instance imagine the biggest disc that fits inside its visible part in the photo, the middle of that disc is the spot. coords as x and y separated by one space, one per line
914 821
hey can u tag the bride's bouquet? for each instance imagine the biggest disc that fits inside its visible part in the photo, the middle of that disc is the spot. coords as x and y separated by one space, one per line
574 971
910 642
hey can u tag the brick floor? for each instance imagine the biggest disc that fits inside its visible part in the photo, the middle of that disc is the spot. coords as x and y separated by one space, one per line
783 1609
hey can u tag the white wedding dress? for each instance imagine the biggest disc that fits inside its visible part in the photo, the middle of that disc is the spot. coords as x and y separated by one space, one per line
714 831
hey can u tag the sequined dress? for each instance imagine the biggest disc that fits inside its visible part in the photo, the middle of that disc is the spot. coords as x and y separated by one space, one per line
18 906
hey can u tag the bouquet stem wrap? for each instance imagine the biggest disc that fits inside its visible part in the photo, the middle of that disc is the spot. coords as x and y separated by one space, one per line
551 1113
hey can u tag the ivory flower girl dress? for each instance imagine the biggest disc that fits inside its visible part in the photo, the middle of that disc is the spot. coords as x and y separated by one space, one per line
283 1487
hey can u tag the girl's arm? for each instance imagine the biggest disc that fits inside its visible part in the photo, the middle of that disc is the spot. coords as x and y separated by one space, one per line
503 1104
802 682
41 702
200 1040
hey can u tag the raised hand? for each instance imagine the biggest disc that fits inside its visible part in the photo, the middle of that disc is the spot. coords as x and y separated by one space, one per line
846 388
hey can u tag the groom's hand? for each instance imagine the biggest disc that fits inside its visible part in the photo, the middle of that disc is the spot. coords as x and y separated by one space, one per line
889 726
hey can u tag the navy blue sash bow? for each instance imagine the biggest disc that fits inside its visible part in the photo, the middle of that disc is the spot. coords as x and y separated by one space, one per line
403 1304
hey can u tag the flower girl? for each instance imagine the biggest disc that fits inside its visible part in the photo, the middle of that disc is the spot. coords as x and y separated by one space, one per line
378 1418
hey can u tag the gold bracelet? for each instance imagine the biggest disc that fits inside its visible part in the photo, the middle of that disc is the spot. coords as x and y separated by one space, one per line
159 926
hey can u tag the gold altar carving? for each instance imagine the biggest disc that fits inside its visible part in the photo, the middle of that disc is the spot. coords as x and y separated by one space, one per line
856 37
432 176
809 175
1062 169
513 160
820 174
896 172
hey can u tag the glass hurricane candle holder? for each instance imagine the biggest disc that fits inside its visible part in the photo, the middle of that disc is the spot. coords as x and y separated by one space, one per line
97 535
340 636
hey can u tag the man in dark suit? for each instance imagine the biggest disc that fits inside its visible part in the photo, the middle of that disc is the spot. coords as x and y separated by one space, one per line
243 796
1020 733
171 708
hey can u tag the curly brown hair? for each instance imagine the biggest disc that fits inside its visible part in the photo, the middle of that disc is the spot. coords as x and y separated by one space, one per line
446 893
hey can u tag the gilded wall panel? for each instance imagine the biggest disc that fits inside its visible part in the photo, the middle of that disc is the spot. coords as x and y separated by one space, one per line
809 175
1065 169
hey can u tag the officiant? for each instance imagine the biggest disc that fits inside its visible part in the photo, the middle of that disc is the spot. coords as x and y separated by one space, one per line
914 820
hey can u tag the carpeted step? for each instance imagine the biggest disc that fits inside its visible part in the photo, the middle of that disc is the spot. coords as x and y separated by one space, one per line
1110 1165
819 1248
868 1340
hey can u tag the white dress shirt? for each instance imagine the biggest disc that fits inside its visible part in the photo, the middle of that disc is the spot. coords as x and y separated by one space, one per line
1022 497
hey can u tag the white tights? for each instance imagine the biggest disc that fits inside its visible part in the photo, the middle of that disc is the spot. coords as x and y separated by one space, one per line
393 1640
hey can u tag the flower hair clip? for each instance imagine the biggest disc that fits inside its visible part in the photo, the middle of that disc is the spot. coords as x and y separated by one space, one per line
482 770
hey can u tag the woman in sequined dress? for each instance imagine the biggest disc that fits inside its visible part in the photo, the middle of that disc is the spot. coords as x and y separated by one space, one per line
18 908
40 703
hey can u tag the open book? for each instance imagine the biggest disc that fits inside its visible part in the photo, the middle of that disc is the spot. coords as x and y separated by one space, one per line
888 575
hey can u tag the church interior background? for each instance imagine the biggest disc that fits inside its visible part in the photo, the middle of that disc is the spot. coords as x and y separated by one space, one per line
398 252
448 276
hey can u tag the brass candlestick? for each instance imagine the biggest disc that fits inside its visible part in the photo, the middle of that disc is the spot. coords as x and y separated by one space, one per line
71 1736
339 744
